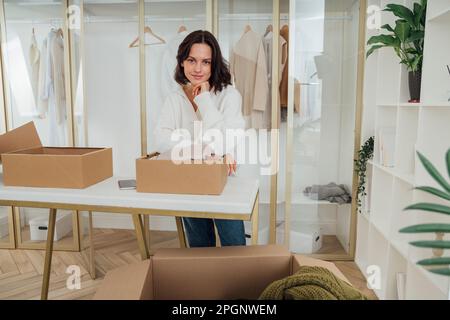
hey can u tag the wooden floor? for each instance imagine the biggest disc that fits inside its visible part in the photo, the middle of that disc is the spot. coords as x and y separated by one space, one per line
331 245
21 270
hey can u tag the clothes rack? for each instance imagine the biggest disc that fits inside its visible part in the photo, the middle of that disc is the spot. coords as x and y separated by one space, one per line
149 19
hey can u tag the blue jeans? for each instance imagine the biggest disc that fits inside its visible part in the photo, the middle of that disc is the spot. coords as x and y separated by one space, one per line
200 232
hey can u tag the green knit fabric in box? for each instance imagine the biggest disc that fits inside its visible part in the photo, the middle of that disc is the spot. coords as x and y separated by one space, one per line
311 283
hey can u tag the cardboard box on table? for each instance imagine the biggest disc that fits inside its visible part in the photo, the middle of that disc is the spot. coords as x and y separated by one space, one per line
27 163
157 173
205 273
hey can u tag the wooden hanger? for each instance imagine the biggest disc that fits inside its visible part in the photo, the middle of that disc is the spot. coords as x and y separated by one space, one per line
268 30
147 30
182 28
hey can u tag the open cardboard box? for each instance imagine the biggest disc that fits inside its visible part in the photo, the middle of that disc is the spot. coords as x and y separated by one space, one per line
26 163
156 175
224 273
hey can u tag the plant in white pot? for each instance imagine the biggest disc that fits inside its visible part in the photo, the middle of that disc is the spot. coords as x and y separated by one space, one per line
407 40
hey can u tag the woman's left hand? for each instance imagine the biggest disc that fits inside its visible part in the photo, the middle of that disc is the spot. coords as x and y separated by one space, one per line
200 88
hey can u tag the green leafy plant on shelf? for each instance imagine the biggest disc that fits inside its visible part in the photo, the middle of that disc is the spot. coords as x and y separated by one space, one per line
364 155
437 264
406 38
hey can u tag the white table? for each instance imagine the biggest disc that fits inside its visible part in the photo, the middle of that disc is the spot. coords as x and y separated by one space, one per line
238 201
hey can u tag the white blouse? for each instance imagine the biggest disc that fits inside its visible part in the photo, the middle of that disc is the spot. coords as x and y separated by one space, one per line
221 110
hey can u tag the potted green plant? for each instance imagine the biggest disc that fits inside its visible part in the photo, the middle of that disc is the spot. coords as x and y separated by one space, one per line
407 40
437 264
365 153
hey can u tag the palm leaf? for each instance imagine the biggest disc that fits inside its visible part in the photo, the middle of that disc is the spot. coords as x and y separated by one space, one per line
438 244
383 39
401 12
426 228
402 30
416 35
443 271
419 11
373 48
433 172
447 157
434 261
424 13
412 51
436 192
387 27
429 207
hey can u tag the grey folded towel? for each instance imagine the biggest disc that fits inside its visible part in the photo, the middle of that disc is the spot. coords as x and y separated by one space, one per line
331 192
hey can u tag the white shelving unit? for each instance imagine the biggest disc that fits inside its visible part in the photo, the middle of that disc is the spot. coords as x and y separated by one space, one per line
421 126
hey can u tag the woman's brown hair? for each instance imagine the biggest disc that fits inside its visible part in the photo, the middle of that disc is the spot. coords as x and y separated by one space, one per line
220 74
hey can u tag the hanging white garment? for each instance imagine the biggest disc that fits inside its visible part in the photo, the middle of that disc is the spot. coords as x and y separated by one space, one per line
34 57
42 98
54 89
48 83
169 63
57 53
58 131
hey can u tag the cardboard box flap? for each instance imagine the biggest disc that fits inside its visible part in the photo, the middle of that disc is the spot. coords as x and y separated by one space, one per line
225 252
24 137
218 273
131 282
300 260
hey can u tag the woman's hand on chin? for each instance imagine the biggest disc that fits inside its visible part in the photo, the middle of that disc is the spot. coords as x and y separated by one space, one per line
200 88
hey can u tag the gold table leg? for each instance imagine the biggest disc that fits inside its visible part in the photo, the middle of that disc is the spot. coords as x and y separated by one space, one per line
48 254
181 234
255 214
140 236
91 248
147 230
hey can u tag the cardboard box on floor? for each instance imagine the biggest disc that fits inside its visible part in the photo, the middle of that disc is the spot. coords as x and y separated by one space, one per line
205 273
156 174
26 163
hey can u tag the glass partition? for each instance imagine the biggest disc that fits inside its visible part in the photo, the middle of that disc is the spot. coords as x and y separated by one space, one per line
323 91
245 35
35 68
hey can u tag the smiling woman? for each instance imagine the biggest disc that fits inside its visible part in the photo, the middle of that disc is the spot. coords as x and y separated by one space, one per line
204 95
200 60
